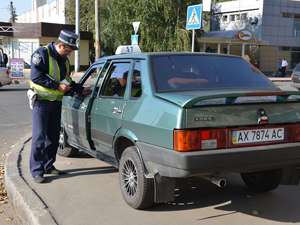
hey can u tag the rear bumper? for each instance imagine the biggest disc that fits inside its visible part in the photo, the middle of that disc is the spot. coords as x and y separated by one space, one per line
170 163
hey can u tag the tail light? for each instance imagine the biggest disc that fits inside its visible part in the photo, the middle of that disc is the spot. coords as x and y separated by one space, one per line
186 140
203 139
293 133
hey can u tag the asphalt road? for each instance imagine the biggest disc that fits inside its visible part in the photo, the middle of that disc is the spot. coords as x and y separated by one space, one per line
15 122
15 115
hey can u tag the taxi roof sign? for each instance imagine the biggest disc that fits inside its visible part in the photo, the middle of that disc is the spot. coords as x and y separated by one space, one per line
125 49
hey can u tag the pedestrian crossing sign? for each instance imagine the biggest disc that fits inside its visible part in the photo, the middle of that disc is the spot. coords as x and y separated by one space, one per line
194 17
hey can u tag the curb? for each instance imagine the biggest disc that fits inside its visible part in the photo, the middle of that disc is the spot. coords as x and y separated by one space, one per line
29 207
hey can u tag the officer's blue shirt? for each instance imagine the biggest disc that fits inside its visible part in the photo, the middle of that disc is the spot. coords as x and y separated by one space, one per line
40 67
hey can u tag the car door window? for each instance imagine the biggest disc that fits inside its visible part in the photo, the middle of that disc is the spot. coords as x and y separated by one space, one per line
101 77
136 82
90 79
116 81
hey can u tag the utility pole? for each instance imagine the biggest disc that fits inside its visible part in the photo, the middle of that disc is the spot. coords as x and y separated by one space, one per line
77 53
13 15
97 31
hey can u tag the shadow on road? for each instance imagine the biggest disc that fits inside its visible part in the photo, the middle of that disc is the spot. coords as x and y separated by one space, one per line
12 89
279 205
83 172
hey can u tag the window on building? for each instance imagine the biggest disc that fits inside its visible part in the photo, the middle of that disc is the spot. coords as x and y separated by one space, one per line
287 15
238 17
225 18
232 17
296 27
244 16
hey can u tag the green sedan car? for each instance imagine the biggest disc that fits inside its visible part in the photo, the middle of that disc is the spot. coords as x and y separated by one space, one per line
158 117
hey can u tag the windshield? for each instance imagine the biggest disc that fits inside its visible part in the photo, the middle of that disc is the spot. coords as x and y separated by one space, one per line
206 72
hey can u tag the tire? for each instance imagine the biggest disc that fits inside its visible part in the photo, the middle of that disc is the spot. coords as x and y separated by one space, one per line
64 149
262 181
137 190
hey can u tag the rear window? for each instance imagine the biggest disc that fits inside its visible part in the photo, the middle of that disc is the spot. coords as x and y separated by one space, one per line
201 72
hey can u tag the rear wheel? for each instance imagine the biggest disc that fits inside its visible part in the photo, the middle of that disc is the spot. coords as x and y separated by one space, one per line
64 149
137 190
262 181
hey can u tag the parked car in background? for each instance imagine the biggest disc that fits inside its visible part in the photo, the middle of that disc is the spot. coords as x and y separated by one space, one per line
158 117
296 76
5 79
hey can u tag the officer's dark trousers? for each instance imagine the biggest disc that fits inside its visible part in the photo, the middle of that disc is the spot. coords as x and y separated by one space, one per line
45 135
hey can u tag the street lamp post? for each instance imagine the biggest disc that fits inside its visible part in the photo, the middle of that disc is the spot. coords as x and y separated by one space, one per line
77 53
97 30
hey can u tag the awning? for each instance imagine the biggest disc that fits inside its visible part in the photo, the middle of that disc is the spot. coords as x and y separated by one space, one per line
230 36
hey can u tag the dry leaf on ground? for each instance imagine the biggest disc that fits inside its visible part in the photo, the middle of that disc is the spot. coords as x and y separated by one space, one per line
3 194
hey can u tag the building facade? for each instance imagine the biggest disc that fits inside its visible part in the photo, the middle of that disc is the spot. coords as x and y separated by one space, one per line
25 38
272 26
52 12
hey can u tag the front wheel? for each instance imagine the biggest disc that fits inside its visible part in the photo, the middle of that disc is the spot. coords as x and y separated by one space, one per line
64 149
137 190
262 181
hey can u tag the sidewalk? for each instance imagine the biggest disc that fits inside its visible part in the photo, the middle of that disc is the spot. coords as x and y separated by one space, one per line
62 199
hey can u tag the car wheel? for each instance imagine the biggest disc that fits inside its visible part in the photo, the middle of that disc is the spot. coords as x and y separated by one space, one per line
262 181
137 190
64 149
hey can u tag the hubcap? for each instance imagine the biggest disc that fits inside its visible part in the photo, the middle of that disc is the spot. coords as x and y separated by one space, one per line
129 178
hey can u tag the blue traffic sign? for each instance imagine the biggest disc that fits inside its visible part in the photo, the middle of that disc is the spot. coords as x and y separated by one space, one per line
194 17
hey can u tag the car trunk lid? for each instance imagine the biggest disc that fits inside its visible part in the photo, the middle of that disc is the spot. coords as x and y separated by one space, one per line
236 108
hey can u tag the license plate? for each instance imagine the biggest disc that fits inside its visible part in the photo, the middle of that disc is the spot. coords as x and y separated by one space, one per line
257 135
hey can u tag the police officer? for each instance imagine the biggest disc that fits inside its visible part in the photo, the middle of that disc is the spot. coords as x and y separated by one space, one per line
50 79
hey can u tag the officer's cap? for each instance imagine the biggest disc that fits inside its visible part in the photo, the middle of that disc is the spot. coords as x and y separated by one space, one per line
69 38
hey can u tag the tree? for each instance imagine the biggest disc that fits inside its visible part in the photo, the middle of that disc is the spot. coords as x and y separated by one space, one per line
13 15
162 24
86 14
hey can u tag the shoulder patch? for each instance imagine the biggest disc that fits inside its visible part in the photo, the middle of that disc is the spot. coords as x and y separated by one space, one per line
36 58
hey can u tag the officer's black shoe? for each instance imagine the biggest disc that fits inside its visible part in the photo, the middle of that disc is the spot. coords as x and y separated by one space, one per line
55 171
39 179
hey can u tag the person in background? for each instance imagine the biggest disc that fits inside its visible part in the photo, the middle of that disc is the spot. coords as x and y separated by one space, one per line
284 65
50 80
5 59
1 58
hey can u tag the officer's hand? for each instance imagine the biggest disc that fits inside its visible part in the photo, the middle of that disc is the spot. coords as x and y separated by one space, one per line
64 87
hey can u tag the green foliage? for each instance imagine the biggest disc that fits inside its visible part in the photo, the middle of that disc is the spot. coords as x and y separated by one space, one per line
162 23
87 12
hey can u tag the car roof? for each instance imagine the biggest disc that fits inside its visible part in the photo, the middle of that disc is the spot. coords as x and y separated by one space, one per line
148 54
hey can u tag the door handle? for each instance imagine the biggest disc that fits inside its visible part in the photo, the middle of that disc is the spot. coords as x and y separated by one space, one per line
116 110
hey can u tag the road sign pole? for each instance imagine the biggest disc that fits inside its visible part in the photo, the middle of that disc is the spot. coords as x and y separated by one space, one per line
77 27
193 40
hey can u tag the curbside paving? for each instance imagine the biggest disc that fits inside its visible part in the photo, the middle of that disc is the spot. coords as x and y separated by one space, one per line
29 207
